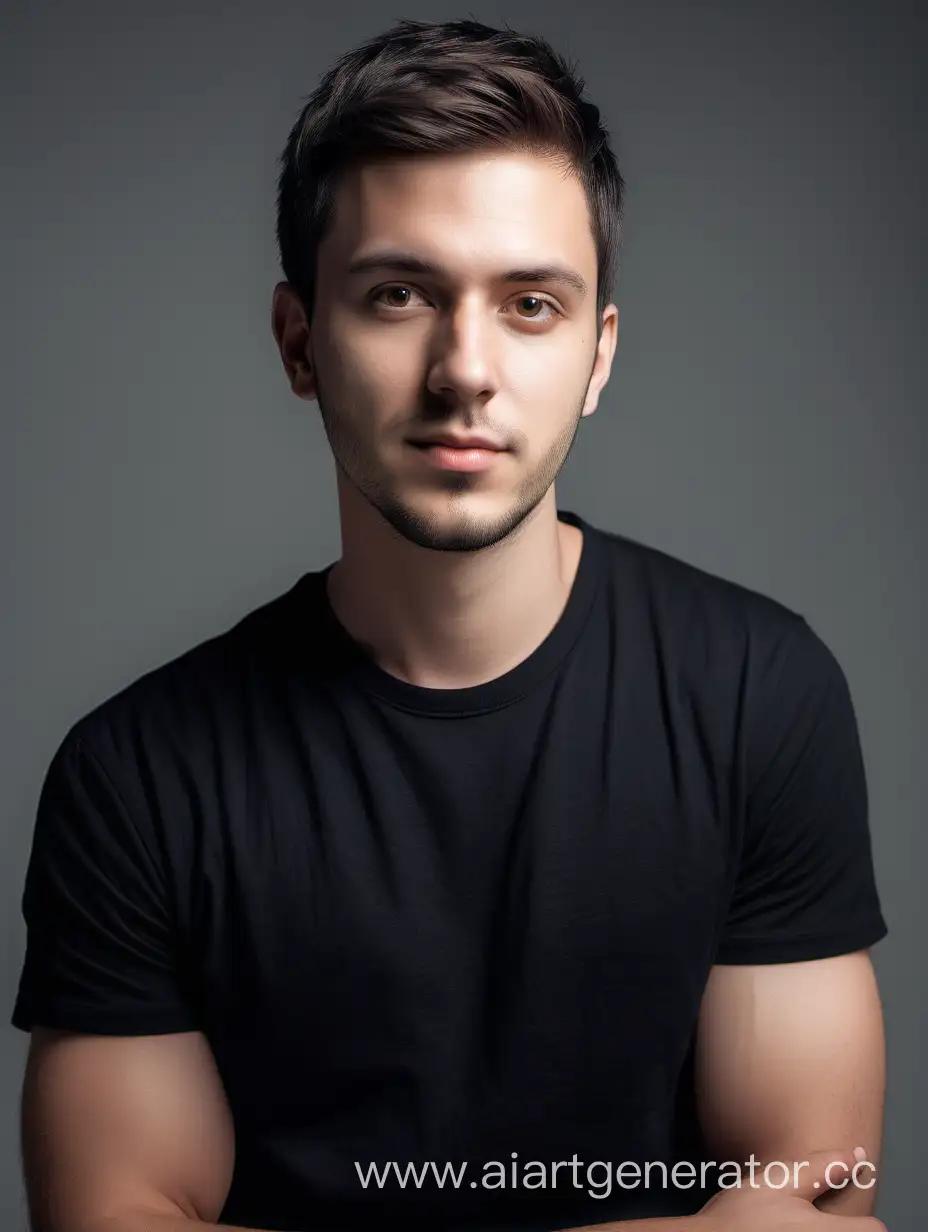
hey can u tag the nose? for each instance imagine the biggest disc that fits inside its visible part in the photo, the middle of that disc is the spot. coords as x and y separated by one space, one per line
462 368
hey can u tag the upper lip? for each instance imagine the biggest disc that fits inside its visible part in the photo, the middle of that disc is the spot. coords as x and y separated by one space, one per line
459 442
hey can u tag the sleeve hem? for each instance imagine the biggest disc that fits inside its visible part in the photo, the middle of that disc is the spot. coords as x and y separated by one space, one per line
102 1021
759 950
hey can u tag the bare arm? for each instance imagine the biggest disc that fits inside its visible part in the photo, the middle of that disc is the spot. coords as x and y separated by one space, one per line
790 1058
124 1134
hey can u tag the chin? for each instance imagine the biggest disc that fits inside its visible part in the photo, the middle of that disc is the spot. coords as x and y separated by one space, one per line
452 530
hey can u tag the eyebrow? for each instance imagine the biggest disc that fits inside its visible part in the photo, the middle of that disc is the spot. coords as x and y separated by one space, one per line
409 263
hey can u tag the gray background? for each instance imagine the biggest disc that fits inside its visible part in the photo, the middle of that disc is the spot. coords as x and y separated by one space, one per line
765 417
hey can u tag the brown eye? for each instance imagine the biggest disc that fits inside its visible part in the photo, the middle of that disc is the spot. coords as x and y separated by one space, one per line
537 307
397 289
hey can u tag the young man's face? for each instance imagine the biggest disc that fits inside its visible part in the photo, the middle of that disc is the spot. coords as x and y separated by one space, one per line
402 355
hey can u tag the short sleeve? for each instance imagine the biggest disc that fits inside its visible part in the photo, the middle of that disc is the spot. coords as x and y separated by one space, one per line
804 886
100 949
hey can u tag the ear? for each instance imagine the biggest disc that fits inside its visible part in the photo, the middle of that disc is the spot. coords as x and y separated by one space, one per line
602 366
294 342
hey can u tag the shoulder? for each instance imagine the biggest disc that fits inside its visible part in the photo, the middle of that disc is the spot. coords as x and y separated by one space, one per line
693 611
199 696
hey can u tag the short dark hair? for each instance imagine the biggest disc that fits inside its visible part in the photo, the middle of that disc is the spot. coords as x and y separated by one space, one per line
440 87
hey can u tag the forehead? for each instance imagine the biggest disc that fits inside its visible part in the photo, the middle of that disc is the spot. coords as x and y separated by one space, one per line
468 211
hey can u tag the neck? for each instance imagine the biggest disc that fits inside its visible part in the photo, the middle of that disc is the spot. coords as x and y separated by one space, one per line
448 620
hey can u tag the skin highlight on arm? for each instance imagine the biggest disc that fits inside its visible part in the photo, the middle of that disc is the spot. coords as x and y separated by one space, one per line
791 1056
124 1133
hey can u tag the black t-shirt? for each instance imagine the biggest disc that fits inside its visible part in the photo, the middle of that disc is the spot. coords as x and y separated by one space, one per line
455 926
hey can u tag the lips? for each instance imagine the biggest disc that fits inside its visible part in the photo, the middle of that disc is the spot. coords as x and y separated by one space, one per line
459 442
458 457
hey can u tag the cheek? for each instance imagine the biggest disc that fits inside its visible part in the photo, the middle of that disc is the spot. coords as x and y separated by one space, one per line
547 384
375 366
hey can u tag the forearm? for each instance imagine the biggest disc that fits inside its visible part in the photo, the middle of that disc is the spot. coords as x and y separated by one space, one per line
143 1221
848 1189
672 1223
179 1223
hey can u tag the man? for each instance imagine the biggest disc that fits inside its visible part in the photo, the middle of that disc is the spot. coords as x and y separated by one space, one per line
503 840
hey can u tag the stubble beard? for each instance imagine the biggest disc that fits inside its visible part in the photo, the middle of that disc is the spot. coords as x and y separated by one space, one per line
469 532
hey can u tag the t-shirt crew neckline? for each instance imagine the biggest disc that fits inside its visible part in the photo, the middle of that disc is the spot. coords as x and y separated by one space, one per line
512 685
